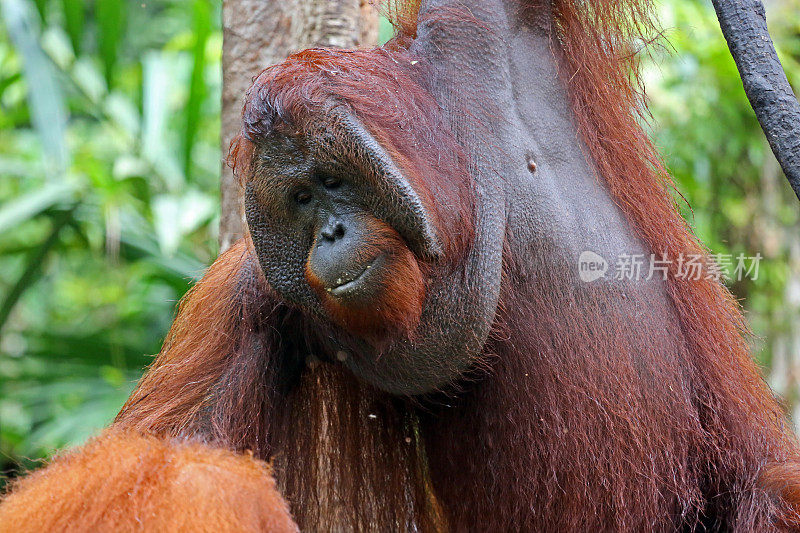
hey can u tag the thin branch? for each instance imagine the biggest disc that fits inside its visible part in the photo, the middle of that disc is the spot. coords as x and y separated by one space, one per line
744 24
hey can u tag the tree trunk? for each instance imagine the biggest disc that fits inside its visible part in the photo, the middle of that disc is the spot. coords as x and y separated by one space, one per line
259 33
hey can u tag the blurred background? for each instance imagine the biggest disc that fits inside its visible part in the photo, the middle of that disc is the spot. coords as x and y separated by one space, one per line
109 194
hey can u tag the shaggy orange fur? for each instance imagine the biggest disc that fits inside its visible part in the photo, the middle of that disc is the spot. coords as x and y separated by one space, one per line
127 482
581 425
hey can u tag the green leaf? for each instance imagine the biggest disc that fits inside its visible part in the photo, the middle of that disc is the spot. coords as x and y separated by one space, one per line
89 80
176 216
7 81
140 244
15 212
197 86
56 45
124 113
385 30
45 98
110 16
74 18
158 79
33 267
41 7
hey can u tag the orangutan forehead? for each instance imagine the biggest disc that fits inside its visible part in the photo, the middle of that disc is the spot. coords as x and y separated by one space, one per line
286 96
280 158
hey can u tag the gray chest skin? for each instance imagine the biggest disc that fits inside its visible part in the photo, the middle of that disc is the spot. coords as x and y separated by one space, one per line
496 78
507 103
508 82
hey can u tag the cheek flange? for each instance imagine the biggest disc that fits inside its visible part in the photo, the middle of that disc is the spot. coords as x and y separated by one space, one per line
281 250
393 197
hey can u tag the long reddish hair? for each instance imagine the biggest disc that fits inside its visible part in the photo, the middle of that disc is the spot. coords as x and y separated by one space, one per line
239 369
740 429
242 369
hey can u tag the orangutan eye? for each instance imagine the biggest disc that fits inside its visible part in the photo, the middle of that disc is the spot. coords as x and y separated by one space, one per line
302 197
331 183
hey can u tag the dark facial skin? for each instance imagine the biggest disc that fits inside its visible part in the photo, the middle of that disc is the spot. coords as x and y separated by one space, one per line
313 220
322 213
329 248
353 252
325 203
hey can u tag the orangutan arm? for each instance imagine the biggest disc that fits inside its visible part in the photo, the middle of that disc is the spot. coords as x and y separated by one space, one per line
127 482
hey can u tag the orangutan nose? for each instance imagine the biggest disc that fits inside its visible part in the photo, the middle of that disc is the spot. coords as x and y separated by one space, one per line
332 231
337 258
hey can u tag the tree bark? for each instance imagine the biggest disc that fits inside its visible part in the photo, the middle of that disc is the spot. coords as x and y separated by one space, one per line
744 24
259 33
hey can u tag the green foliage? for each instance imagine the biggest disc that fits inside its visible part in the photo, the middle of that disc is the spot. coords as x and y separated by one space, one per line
109 169
734 194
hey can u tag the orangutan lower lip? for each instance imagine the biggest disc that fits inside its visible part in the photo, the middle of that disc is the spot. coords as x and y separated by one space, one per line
348 285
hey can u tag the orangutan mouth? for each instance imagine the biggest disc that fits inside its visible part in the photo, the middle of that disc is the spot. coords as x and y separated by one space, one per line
351 284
